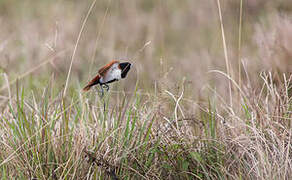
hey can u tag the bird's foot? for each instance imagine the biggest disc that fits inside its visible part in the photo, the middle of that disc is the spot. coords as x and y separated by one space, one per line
106 87
100 92
102 88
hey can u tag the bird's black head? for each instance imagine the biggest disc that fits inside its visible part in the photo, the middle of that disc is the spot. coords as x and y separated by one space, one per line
125 67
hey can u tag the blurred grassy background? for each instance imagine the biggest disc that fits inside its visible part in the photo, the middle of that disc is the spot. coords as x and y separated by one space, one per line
185 39
37 40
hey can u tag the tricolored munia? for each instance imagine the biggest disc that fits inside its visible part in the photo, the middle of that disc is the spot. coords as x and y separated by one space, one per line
111 72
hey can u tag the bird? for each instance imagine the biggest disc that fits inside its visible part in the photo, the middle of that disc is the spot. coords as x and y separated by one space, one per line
111 72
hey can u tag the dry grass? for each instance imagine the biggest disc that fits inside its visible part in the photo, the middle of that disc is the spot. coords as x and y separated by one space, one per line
191 108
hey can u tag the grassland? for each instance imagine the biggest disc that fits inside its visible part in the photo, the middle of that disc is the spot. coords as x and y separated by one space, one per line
209 95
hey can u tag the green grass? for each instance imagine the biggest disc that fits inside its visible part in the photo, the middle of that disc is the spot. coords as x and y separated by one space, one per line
59 138
208 97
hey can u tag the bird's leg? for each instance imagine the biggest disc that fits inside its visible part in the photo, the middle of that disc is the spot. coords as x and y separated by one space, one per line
106 87
102 86
101 93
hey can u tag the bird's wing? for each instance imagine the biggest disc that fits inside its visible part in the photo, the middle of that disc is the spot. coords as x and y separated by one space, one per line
105 68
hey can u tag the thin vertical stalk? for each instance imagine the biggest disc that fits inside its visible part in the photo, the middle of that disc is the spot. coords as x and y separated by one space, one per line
76 45
239 43
224 47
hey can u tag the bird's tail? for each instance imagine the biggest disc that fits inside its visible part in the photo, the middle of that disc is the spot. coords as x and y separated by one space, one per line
93 82
86 88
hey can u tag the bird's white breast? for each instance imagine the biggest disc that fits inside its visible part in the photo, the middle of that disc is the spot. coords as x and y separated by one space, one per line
114 73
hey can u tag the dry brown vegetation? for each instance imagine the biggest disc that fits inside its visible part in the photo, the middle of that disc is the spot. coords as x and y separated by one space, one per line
198 103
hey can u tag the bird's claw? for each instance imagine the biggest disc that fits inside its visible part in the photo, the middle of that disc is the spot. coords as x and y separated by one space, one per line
102 88
101 92
106 87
